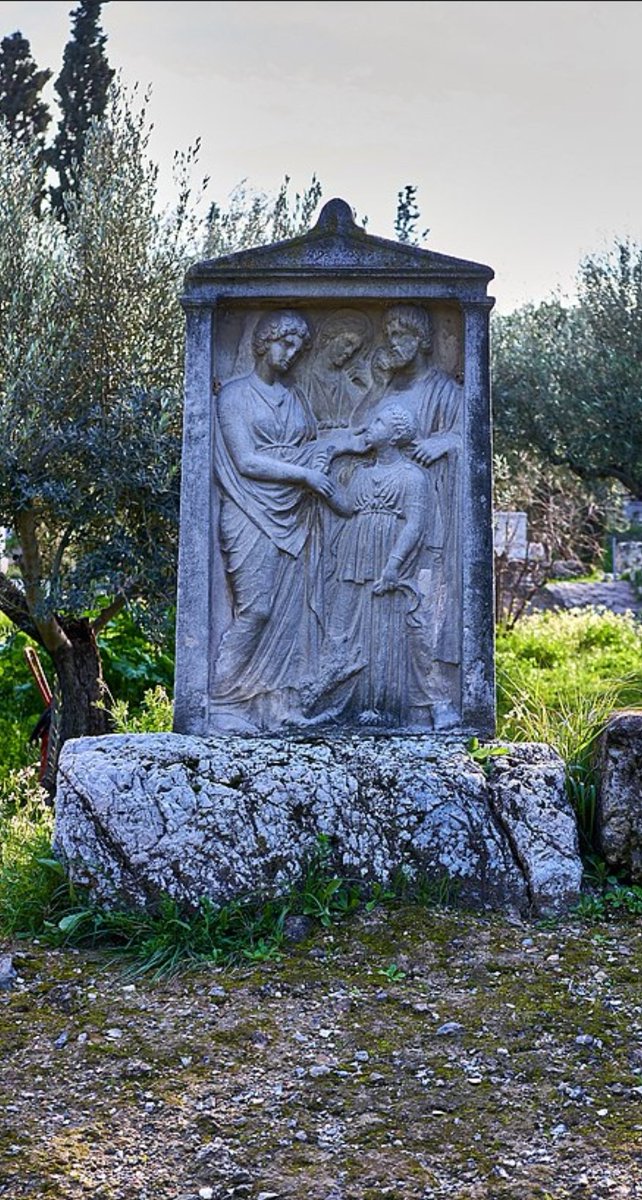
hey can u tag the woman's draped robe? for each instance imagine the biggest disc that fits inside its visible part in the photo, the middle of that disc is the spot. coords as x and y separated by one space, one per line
270 538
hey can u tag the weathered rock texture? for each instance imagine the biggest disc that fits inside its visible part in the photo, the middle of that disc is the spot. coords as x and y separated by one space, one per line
142 815
619 811
618 596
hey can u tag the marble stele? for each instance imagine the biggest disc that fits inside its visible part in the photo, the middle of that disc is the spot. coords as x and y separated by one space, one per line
336 541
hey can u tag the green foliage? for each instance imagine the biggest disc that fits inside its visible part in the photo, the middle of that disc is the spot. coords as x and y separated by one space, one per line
560 677
324 895
154 715
484 754
566 514
83 88
393 973
564 660
91 378
172 939
169 940
36 898
134 663
616 902
21 83
567 380
33 886
20 706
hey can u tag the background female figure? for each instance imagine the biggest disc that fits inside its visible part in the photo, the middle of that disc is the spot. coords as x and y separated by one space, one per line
338 379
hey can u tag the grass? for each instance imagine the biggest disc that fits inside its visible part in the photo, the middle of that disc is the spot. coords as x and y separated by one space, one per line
37 899
33 887
561 675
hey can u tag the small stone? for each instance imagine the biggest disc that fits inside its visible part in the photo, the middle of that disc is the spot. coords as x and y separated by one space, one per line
135 1067
559 1130
8 973
361 1056
420 1007
268 1196
217 992
206 1193
301 1135
317 1070
62 1039
475 1079
449 1028
296 929
586 1039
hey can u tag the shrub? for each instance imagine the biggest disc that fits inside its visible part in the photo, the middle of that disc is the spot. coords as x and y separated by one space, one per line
560 676
20 705
33 887
154 715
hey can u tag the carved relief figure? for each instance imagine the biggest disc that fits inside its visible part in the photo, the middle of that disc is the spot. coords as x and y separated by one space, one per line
343 585
435 401
375 597
269 531
337 380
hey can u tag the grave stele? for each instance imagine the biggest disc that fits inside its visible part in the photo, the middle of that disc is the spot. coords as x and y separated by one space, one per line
336 558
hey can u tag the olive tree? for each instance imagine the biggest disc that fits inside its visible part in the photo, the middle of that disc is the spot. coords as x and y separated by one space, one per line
90 382
568 378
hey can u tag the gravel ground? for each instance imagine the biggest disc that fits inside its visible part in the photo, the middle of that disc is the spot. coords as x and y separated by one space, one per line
405 1054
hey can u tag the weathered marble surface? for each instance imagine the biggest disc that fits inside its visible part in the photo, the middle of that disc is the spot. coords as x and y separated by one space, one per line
142 814
335 565
619 810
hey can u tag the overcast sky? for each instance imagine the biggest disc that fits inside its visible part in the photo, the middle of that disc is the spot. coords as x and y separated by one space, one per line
519 122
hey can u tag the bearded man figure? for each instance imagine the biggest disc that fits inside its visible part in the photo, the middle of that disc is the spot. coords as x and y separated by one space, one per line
435 402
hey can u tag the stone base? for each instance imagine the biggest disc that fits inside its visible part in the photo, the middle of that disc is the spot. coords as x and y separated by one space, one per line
142 815
619 810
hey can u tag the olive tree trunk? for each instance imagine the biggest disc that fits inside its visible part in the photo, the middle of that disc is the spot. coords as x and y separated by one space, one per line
79 706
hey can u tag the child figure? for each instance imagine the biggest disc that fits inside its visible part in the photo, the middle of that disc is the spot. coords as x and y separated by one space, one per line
375 603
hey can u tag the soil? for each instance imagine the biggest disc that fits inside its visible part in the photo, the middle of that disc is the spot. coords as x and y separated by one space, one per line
407 1054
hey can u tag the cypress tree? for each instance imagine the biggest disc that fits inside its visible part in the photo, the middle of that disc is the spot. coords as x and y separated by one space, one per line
21 105
82 87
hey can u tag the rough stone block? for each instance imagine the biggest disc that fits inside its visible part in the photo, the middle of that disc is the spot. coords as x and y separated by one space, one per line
619 811
142 815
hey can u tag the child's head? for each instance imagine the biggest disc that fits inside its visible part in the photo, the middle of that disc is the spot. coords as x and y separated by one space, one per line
393 426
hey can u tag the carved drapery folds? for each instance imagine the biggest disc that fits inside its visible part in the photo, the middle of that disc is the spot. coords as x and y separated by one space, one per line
335 568
337 465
